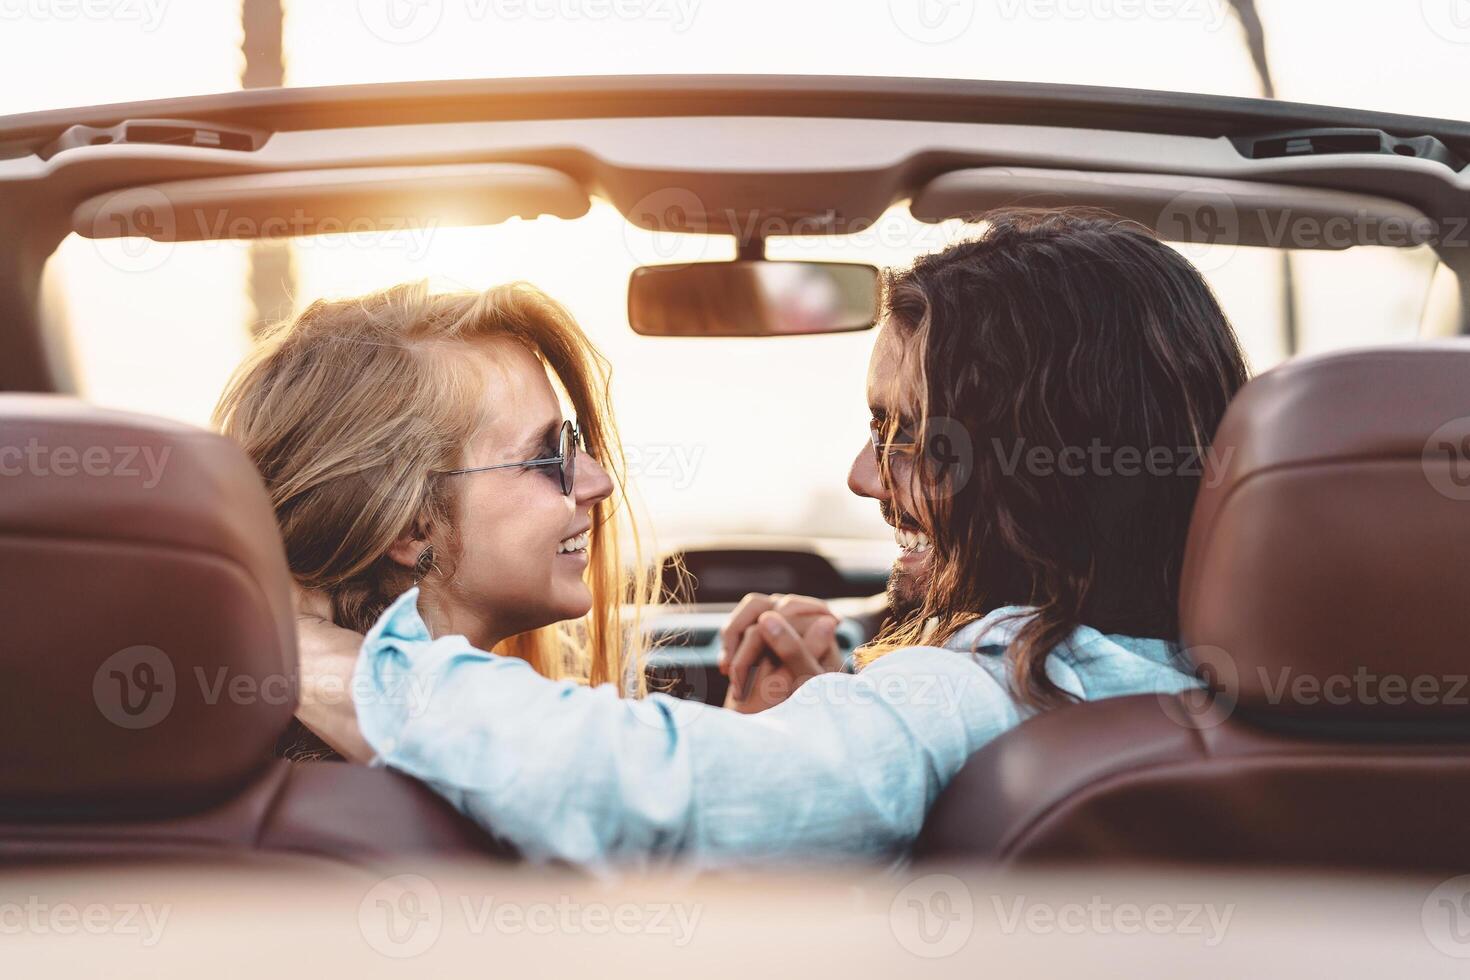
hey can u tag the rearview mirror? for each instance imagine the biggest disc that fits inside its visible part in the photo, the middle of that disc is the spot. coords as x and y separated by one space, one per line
752 299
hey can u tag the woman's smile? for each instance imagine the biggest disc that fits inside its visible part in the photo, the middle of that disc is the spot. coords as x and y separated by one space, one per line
574 548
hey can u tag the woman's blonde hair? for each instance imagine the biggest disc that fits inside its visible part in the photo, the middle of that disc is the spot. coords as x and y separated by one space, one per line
350 411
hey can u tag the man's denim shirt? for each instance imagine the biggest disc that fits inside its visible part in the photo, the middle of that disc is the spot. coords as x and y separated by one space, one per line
846 767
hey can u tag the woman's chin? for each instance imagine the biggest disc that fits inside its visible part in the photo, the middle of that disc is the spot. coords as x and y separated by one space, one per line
574 601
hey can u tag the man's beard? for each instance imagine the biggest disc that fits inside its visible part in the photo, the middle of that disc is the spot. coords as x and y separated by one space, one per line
903 597
906 588
906 591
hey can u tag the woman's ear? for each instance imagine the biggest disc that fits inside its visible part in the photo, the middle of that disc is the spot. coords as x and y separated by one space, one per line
408 550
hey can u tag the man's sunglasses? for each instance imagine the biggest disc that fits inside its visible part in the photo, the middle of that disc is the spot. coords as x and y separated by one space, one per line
902 443
565 460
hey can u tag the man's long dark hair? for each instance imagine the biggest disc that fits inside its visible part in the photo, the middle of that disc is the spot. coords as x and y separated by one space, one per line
1058 331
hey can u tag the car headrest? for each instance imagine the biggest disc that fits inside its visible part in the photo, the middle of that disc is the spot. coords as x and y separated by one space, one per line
1327 572
147 637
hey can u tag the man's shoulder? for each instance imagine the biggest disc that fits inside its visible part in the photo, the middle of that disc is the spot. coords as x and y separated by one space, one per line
954 675
923 657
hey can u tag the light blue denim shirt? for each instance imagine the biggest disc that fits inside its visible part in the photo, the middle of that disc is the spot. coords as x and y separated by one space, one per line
846 767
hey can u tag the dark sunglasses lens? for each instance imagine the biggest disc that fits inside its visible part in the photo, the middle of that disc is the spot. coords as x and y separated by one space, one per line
568 457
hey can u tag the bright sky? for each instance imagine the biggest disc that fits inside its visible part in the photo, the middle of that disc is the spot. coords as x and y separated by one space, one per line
763 431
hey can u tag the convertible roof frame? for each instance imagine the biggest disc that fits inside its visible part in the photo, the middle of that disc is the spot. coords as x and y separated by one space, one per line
283 126
857 97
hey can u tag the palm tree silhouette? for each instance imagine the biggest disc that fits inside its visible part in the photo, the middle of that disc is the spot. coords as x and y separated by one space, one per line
272 275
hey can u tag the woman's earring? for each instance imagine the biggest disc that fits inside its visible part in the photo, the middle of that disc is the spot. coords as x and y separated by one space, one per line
424 563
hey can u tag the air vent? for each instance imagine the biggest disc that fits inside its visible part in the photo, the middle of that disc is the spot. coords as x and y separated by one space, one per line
1320 142
159 132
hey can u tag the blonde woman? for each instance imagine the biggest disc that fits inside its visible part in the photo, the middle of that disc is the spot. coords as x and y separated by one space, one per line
412 439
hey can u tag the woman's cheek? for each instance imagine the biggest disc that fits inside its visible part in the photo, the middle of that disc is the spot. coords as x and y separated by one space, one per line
533 528
512 535
489 531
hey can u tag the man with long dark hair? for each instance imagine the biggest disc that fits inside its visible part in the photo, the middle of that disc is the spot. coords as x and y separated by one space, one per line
1054 385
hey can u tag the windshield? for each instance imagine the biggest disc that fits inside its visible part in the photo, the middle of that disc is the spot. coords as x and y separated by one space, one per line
737 436
1407 57
765 429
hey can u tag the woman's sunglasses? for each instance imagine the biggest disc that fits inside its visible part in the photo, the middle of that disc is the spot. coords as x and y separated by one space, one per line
565 460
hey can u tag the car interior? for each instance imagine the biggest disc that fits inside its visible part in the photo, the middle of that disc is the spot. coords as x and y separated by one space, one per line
1332 541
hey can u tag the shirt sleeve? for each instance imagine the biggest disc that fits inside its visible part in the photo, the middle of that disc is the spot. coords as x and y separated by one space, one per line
847 766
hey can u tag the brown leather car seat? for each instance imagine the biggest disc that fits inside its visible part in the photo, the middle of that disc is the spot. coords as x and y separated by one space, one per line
1326 600
148 652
